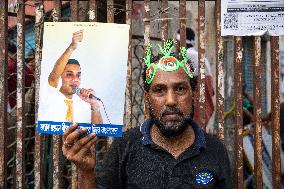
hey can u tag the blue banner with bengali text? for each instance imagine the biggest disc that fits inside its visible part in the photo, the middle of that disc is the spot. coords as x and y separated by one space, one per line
51 127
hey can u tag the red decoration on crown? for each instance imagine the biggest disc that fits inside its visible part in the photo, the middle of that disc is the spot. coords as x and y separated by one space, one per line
149 71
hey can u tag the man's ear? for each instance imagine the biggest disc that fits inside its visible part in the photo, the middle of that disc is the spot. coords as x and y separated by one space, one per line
194 102
146 100
194 95
146 105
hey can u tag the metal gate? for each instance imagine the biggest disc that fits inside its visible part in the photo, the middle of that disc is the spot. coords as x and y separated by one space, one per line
13 170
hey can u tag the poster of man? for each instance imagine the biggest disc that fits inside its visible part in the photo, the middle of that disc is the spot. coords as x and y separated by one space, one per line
83 73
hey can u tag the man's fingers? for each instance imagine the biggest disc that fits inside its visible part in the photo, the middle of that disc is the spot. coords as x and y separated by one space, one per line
83 92
87 147
69 130
91 91
68 142
77 38
78 35
82 143
77 32
79 156
87 92
70 139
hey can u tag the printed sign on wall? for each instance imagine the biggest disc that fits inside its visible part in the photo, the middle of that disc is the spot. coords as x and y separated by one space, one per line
252 18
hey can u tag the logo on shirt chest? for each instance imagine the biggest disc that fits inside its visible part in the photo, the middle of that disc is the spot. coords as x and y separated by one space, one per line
204 177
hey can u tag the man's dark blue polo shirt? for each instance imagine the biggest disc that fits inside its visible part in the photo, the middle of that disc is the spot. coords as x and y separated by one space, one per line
134 161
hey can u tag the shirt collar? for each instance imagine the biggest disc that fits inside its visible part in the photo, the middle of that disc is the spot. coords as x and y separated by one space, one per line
146 137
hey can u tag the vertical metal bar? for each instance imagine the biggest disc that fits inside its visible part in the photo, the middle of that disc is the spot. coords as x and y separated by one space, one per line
57 6
74 10
201 59
275 111
146 22
182 23
110 11
238 56
3 95
129 71
20 152
110 19
257 113
57 166
39 18
220 93
92 11
146 34
165 22
74 18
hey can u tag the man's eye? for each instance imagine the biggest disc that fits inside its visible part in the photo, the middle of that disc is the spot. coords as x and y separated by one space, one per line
68 74
181 89
158 90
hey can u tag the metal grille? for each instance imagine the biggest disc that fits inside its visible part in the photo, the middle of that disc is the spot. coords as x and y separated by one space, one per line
30 160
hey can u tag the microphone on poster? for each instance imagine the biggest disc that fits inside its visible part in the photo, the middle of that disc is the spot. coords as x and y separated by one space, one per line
91 96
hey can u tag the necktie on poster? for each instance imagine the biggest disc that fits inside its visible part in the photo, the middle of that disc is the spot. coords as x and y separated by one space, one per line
69 113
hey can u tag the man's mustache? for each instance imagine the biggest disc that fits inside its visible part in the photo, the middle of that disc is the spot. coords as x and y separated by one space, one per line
171 110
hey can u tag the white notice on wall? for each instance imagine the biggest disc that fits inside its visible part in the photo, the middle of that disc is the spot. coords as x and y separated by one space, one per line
251 17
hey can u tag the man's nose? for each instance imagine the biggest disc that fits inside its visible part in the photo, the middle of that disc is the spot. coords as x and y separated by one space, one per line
171 98
75 78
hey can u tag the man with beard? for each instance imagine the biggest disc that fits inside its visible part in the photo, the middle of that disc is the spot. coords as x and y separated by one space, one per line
168 150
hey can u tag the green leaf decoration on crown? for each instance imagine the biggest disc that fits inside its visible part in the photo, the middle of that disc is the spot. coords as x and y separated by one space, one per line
147 58
167 63
183 54
168 47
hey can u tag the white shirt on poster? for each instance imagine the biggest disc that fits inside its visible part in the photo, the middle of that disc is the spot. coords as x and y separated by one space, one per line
53 108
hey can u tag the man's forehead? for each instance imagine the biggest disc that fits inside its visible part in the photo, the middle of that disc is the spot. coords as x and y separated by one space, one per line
167 78
72 68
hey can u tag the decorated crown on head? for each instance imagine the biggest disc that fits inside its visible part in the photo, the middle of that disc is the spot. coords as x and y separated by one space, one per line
167 63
